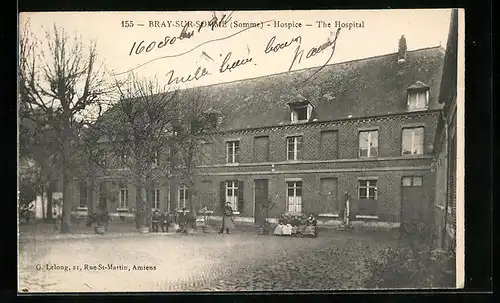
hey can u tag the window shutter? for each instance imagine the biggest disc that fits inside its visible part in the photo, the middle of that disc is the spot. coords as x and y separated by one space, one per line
240 196
222 194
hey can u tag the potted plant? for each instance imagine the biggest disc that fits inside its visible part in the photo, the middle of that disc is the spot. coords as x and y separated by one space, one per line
100 221
265 207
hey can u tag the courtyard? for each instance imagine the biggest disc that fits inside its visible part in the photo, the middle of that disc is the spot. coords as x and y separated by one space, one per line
242 261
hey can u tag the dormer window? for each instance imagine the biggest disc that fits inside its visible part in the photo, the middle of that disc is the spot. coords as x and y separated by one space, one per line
418 96
300 111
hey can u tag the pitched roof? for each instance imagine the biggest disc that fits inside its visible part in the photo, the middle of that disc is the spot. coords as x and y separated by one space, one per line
359 88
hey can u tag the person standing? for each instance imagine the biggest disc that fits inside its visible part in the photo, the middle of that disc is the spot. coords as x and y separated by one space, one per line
227 219
154 220
183 220
164 221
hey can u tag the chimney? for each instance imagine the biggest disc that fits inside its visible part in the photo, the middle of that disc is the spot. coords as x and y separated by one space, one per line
402 49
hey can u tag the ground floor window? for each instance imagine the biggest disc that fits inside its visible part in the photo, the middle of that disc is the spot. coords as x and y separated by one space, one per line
84 193
123 197
156 198
183 194
367 197
232 194
412 181
294 196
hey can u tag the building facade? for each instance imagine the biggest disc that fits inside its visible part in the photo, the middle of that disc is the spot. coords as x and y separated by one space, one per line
445 208
362 131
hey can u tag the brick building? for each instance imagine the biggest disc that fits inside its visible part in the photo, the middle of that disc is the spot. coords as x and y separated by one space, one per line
445 208
311 138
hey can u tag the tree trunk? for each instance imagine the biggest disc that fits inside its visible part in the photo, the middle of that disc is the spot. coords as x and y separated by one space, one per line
50 191
67 199
138 212
192 208
67 204
148 195
42 194
90 198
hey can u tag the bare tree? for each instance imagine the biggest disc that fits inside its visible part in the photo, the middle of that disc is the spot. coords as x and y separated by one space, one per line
60 77
35 137
139 130
197 120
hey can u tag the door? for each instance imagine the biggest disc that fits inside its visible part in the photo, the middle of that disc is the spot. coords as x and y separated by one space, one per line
329 195
261 196
413 203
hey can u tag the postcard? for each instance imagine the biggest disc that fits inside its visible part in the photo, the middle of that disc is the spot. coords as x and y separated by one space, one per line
225 151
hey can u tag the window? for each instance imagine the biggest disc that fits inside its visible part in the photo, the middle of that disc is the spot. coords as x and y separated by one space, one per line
299 114
413 141
368 143
83 195
123 197
156 198
367 189
206 154
294 150
123 159
417 100
412 181
232 194
183 196
232 151
294 196
155 158
261 149
300 111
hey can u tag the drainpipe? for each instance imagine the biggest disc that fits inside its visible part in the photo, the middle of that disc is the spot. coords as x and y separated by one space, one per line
346 215
447 149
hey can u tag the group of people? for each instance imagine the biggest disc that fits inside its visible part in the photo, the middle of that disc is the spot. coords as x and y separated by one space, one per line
291 226
165 219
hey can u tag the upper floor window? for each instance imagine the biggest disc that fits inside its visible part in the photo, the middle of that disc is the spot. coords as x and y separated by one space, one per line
368 143
155 158
300 111
294 148
123 159
232 151
418 96
413 141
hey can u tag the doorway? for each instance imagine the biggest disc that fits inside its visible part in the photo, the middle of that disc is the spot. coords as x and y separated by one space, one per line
261 196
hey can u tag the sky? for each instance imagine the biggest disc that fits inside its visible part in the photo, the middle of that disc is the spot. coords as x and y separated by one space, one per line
376 32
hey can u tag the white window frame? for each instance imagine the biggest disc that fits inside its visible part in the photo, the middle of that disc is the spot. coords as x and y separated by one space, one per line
294 203
156 198
155 158
368 153
232 185
86 193
123 197
412 129
368 186
231 158
418 100
412 181
123 159
295 147
181 203
294 117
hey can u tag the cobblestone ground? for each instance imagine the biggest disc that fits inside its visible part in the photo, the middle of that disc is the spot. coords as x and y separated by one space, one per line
202 262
